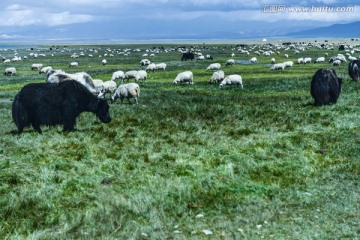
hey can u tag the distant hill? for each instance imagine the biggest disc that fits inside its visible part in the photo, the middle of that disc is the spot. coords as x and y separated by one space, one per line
348 30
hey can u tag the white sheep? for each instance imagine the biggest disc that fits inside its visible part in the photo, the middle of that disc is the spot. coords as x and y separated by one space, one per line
161 66
130 74
10 71
52 75
45 69
253 60
234 79
307 60
273 61
7 61
98 83
108 87
104 62
351 58
56 76
184 77
288 63
278 66
128 90
214 66
300 60
286 56
230 62
336 62
118 74
217 76
141 75
151 67
36 66
144 62
73 64
320 60
341 57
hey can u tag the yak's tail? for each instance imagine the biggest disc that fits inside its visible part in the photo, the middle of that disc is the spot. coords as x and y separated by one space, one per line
19 114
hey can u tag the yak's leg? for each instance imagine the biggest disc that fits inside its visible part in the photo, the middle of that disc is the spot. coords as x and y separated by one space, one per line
36 126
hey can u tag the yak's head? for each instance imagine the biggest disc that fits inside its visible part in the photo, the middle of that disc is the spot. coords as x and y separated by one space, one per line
102 111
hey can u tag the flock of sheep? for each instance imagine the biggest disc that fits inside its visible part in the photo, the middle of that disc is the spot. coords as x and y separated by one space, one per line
132 90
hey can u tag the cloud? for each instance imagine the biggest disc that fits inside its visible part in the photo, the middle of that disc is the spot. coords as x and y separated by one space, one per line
19 15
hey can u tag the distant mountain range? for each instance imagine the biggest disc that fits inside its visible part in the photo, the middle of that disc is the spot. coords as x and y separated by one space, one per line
348 30
87 32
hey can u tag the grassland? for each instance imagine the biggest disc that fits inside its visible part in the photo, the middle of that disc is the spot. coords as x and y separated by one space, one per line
253 163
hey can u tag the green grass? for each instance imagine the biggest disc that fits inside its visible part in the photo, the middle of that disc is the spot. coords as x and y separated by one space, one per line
259 162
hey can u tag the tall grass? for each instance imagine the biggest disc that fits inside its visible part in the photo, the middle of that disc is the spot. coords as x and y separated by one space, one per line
257 163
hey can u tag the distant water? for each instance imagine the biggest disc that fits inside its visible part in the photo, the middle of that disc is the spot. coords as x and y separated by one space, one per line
16 46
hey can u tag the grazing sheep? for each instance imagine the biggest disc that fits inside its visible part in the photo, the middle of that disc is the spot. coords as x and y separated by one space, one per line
73 64
118 74
253 60
161 66
286 56
7 61
341 58
272 61
141 75
217 77
98 83
307 60
130 74
58 76
45 69
288 63
278 66
300 60
201 57
209 57
184 77
351 58
230 62
36 66
325 87
234 79
128 90
104 62
144 62
10 71
320 60
214 66
52 75
151 67
108 87
336 63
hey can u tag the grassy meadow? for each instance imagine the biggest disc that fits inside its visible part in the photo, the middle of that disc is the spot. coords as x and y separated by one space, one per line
191 161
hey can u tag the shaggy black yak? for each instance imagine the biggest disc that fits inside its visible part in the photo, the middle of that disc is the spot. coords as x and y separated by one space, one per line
187 56
51 104
354 70
325 87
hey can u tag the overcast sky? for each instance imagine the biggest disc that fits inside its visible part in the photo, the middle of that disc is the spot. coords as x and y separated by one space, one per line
159 18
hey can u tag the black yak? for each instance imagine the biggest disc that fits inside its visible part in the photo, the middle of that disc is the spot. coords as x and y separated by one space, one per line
187 56
325 87
51 104
354 70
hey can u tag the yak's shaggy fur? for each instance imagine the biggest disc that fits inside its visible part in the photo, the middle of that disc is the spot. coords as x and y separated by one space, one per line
51 104
354 70
325 87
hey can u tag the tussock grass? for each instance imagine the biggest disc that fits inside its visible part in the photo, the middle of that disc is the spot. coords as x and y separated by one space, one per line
258 162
